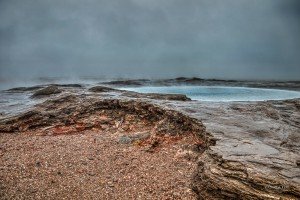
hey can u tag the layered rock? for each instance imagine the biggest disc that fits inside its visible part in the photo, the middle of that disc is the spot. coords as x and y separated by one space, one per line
73 111
256 153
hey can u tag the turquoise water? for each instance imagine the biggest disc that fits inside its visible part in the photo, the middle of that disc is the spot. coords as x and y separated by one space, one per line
217 93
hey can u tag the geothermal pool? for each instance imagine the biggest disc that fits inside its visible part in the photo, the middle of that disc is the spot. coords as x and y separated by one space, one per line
220 94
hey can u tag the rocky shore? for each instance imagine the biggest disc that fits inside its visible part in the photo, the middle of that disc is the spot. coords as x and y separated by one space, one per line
78 142
287 85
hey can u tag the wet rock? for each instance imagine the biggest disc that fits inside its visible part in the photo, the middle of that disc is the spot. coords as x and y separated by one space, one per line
39 87
101 89
189 80
181 78
69 85
24 89
47 91
172 97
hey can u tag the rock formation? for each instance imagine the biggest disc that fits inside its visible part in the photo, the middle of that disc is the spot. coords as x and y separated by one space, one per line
49 90
242 150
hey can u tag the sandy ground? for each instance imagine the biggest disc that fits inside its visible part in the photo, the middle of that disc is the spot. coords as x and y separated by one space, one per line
91 165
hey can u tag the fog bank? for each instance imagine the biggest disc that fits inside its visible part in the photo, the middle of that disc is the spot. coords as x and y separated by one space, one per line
232 39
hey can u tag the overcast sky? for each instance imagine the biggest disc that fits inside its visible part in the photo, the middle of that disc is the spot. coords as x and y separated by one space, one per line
230 39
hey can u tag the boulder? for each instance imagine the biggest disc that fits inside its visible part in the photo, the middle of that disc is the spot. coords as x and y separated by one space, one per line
101 89
47 91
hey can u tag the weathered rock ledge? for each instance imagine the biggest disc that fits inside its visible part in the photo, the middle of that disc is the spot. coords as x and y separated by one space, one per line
70 110
256 153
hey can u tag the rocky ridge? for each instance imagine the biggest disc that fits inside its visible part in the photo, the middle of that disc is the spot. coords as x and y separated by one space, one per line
291 85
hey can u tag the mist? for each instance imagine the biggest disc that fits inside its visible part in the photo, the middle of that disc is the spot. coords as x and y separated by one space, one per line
232 39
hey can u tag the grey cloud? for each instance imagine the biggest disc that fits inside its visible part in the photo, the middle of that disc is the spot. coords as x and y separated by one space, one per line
234 39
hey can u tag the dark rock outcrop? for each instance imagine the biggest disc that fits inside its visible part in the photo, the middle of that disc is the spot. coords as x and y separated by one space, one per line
188 80
173 97
68 85
70 110
101 89
292 85
47 91
24 89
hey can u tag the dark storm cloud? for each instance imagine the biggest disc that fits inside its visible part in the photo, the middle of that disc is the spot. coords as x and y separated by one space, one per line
239 39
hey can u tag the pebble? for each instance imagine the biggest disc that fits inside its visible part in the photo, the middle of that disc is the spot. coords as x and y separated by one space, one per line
125 140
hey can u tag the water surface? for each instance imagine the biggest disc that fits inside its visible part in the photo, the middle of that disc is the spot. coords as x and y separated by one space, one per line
221 94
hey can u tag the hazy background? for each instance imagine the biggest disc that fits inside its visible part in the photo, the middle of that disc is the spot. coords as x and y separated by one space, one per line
229 39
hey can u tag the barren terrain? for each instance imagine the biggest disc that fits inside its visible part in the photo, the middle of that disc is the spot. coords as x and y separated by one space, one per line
75 142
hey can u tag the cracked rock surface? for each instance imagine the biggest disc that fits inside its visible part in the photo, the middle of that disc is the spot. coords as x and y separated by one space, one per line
256 153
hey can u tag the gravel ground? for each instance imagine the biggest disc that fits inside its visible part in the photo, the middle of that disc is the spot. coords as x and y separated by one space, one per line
93 165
